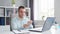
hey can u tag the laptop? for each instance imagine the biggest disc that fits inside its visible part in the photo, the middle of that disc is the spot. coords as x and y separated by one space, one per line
47 25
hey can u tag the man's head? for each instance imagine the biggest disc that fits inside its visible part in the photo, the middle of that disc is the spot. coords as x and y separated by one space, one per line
21 11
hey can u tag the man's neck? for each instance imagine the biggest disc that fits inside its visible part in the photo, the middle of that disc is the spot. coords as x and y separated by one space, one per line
20 17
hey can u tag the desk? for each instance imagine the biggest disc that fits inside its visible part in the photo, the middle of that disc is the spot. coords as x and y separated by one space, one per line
51 31
47 32
6 32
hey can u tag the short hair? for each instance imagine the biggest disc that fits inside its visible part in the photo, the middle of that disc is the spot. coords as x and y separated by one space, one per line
20 7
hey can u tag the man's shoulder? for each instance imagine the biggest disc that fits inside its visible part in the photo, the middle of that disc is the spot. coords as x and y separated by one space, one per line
14 18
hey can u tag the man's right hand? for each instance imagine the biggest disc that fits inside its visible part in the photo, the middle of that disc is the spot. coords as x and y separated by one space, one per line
28 24
25 25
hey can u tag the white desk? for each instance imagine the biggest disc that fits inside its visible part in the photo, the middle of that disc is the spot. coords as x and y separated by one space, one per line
47 32
6 32
51 31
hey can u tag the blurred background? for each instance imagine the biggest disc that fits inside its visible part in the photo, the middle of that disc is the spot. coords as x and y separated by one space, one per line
37 10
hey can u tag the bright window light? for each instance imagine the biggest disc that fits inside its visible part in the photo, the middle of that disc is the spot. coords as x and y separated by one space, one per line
43 9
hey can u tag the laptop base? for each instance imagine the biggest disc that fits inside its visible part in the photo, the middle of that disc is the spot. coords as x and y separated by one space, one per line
35 31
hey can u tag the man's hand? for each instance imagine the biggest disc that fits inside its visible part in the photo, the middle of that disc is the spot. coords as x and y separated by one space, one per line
28 24
25 25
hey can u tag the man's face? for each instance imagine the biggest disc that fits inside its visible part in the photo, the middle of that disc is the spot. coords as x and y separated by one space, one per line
21 12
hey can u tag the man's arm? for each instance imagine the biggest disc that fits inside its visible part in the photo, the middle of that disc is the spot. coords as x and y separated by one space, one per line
31 26
28 25
13 24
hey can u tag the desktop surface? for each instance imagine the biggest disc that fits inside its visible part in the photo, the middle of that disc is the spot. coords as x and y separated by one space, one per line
51 31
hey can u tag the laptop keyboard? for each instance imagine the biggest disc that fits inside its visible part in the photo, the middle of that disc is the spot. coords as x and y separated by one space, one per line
37 29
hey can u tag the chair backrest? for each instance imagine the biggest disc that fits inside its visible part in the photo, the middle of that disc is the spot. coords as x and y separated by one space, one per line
33 24
48 23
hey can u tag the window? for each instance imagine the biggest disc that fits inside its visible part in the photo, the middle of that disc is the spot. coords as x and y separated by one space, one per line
43 9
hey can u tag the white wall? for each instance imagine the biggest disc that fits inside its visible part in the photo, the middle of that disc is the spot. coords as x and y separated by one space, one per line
9 3
5 2
21 2
57 10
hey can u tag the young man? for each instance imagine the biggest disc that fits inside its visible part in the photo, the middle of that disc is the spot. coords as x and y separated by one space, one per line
21 22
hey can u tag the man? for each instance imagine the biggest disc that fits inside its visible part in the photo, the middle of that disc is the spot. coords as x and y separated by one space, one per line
21 22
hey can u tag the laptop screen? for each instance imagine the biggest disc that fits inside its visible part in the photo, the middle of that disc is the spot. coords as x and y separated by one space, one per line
48 23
